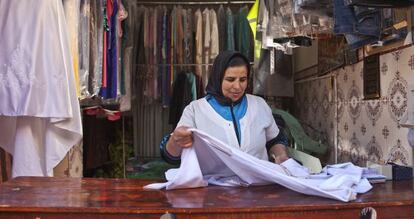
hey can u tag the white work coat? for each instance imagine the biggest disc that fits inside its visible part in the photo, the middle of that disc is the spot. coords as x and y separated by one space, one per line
256 127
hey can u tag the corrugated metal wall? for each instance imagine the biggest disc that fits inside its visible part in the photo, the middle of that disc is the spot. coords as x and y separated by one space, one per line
150 125
150 119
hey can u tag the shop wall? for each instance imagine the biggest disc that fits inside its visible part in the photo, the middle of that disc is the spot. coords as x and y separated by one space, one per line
363 129
315 108
305 57
72 163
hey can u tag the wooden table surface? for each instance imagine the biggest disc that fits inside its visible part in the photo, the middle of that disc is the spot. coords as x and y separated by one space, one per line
45 197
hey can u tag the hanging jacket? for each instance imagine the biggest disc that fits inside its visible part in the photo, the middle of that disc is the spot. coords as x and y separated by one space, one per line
181 97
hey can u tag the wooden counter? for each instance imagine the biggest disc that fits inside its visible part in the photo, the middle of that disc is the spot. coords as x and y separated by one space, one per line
42 197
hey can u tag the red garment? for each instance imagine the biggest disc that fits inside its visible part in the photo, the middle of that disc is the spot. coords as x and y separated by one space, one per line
111 115
104 60
109 10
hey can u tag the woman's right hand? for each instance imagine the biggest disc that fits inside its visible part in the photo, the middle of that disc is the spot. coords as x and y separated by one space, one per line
182 137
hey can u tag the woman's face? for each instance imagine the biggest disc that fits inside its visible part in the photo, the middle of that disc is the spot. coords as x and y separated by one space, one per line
234 82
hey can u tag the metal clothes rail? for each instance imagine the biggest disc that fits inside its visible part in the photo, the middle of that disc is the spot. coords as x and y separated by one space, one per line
194 2
178 64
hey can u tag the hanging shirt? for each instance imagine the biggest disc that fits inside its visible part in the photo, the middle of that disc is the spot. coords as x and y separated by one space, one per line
72 13
164 60
243 34
222 22
180 37
96 47
84 47
198 42
110 90
121 38
214 43
206 45
230 30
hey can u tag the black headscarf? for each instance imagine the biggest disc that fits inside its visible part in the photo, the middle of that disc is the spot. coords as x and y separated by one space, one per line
221 63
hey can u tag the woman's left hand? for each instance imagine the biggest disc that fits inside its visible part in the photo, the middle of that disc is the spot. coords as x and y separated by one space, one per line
280 159
278 153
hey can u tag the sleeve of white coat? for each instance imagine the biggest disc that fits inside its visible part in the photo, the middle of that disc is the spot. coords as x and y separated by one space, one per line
271 128
188 117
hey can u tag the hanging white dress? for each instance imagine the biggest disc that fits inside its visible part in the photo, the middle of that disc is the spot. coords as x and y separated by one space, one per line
39 111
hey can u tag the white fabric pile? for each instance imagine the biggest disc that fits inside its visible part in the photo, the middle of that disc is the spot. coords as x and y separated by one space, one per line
210 161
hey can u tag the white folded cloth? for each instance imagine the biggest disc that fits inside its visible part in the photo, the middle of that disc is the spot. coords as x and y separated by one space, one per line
212 161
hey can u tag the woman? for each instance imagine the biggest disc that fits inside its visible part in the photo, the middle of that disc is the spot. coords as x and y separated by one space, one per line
229 114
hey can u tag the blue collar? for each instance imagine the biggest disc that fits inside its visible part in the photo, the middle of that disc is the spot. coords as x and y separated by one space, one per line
239 110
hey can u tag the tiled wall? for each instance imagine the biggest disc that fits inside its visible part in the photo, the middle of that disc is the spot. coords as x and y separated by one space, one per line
363 129
315 108
72 164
